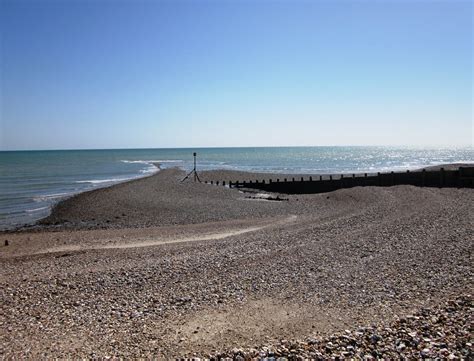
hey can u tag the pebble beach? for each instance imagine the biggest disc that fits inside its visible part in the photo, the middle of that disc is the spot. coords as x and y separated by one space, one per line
160 268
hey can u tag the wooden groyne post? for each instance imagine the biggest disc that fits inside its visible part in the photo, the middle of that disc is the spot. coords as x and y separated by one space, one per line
463 177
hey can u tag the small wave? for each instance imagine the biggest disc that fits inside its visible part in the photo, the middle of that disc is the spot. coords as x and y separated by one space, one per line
47 197
153 161
99 181
149 170
36 209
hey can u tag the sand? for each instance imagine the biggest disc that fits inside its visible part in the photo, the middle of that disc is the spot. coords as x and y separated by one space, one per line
159 268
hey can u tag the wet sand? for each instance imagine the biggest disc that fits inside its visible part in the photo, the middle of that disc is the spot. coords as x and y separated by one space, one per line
155 267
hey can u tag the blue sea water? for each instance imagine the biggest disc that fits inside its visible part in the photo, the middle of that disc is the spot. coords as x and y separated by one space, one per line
32 181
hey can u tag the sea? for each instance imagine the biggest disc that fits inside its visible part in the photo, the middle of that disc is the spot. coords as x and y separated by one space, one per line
31 182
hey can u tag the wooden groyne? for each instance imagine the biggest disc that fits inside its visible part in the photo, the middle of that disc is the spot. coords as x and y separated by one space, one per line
461 178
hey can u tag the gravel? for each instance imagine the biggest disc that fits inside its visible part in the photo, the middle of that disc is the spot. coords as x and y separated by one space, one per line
392 266
442 332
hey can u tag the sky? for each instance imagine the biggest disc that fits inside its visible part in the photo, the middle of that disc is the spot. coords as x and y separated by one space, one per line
156 74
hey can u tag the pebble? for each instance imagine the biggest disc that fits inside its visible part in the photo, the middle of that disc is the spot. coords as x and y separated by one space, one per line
381 342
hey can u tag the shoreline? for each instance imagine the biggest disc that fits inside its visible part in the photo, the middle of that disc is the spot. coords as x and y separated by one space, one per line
34 224
217 174
29 193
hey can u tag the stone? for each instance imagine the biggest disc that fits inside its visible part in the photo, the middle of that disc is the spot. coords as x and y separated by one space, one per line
425 352
375 338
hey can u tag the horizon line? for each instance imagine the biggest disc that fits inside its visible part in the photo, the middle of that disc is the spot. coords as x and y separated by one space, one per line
244 147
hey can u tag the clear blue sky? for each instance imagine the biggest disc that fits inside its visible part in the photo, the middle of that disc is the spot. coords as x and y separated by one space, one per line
125 74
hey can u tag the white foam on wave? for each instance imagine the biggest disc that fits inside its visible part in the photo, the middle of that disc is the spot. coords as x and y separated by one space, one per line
46 197
150 169
36 209
100 181
153 161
